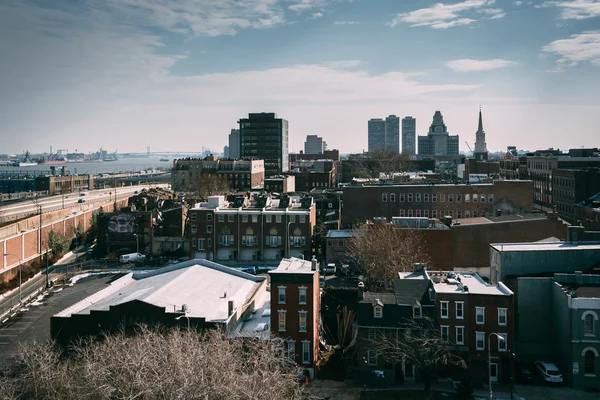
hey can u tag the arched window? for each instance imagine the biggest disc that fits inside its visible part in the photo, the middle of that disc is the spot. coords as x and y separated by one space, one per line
589 322
249 231
589 363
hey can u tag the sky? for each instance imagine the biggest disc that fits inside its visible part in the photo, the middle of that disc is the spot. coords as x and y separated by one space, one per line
176 75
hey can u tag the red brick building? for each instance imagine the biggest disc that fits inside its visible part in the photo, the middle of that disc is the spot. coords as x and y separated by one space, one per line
257 229
241 174
365 202
295 307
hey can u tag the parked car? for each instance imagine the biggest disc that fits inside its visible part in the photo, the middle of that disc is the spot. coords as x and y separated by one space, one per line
81 201
549 372
133 257
525 373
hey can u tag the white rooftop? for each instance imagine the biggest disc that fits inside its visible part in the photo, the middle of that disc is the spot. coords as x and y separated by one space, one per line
203 286
339 233
293 266
452 282
257 323
547 246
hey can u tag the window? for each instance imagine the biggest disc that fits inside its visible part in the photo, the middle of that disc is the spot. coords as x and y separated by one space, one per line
460 309
426 213
281 314
458 213
255 218
194 228
372 357
208 228
302 295
291 348
281 295
209 217
434 213
418 197
480 315
467 198
193 217
450 198
209 243
293 219
417 213
588 324
460 335
410 197
444 331
442 197
193 242
384 197
303 219
268 219
417 312
482 200
372 334
443 309
410 213
589 367
458 197
378 312
425 197
480 340
249 240
226 240
490 198
306 352
244 218
392 197
402 197
273 241
502 341
302 321
221 218
278 219
502 316
230 218
474 197
201 244
402 213
433 197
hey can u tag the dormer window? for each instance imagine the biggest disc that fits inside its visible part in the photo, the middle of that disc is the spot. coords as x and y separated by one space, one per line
378 312
417 312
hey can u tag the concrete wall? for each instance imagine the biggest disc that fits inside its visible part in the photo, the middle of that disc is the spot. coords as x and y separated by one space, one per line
534 319
562 333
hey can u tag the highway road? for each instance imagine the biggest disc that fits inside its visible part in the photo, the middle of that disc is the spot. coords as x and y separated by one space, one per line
56 202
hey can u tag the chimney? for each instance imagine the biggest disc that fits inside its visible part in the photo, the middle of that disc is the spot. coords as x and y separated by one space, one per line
229 308
313 264
419 268
579 277
361 290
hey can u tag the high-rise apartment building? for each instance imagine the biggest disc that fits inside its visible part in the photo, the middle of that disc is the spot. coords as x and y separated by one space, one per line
314 145
234 144
480 153
264 136
409 135
384 134
438 141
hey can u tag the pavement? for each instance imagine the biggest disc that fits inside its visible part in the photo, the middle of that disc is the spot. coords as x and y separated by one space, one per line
33 322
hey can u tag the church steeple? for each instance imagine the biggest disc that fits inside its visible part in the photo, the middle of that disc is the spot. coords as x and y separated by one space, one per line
480 152
480 128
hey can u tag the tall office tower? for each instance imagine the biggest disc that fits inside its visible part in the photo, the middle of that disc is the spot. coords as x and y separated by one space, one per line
234 144
409 134
480 152
438 142
392 133
226 152
376 133
264 136
314 145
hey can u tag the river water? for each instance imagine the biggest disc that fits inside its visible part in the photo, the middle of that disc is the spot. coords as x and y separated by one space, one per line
120 166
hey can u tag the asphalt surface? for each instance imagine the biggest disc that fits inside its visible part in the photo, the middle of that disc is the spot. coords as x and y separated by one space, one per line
33 323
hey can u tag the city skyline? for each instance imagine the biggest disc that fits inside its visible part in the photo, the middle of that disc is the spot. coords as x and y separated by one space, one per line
128 74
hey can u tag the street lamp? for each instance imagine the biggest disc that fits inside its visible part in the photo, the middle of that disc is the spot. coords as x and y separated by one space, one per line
490 361
16 255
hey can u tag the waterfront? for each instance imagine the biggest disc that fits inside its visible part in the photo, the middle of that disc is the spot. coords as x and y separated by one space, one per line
122 165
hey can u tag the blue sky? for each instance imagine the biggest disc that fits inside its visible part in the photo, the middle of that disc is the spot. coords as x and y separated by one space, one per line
177 75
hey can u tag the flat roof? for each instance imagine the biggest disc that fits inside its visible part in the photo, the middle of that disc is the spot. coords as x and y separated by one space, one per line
257 323
454 282
293 265
546 246
339 233
203 286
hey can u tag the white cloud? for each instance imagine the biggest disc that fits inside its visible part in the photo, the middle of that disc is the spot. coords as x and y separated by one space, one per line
470 65
443 16
575 9
582 47
346 23
518 3
317 15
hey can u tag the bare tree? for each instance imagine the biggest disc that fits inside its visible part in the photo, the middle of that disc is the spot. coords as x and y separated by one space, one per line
202 187
421 344
382 163
381 251
176 364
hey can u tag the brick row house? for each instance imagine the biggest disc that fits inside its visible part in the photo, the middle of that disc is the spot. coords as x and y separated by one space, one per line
470 314
255 229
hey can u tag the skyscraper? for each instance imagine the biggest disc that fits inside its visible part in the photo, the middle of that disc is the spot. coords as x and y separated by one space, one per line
234 144
264 136
438 142
480 152
409 134
314 145
392 133
376 138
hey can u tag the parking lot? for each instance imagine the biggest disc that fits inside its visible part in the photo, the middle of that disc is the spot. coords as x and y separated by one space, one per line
33 322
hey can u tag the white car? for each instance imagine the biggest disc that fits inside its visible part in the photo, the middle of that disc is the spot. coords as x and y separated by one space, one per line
549 371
